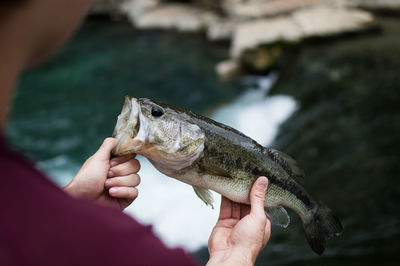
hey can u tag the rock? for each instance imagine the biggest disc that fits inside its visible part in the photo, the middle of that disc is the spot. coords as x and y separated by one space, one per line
220 29
256 9
327 21
251 34
304 23
228 70
134 9
260 30
152 14
180 17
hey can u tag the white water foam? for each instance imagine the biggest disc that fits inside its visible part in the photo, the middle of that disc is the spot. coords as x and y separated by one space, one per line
256 115
178 216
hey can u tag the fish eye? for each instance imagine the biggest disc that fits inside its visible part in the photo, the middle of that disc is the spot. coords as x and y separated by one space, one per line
157 111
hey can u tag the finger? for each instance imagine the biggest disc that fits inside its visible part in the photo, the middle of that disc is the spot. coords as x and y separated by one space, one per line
257 196
122 159
131 180
244 210
235 210
225 211
124 192
105 149
130 167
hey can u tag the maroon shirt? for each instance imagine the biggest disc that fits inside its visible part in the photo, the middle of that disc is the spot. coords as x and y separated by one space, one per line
42 225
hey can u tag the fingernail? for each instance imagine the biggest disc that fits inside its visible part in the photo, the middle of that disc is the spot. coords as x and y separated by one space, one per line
113 163
107 183
112 190
110 174
262 183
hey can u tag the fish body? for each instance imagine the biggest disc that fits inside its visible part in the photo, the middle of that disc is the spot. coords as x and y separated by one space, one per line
212 156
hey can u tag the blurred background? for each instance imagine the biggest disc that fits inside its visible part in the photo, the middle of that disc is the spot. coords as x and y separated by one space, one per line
317 79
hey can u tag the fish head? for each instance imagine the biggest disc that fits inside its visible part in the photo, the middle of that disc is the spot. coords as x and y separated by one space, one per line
157 131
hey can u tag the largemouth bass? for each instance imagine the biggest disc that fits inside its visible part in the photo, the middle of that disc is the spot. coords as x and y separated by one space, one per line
211 156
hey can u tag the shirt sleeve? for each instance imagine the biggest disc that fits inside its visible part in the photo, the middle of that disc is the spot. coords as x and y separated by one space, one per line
118 239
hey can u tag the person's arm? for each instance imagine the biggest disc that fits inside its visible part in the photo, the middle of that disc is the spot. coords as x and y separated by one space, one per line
241 231
110 181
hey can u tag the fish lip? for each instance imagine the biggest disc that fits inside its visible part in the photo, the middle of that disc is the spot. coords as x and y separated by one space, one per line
127 128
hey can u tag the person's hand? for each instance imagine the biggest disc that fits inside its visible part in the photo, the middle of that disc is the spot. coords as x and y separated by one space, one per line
107 181
241 231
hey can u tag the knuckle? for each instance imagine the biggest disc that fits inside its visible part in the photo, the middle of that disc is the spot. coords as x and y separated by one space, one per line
259 194
108 140
117 170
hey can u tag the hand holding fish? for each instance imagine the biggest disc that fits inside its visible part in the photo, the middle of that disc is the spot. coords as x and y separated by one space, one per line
241 231
107 181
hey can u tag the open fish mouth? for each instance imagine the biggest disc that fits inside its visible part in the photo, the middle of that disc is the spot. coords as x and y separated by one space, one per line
127 129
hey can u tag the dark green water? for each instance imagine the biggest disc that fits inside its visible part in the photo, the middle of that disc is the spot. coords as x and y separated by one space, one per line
345 134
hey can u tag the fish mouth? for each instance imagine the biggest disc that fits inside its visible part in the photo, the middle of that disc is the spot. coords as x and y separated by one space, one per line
128 128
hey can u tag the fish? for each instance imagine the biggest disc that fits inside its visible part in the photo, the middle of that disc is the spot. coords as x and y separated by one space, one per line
212 156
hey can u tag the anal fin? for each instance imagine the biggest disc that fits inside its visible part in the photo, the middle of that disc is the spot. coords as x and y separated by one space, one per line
205 195
278 216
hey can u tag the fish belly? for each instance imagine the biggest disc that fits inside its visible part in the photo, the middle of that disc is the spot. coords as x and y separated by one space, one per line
238 190
235 190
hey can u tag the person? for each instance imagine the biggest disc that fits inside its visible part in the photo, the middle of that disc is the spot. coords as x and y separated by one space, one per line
82 224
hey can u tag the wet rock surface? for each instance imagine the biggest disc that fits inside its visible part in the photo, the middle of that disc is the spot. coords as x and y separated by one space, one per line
180 17
251 24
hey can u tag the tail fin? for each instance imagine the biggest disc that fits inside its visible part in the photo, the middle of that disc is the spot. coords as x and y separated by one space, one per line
322 226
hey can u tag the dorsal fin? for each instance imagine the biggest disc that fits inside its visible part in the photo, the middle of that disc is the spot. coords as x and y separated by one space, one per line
287 163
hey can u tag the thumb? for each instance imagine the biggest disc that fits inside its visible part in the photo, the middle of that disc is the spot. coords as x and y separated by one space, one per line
257 196
104 152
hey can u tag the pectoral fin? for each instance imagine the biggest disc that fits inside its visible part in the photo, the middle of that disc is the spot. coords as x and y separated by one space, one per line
205 195
278 216
213 170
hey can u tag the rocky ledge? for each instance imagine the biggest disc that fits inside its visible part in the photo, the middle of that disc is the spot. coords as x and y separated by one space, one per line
259 30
